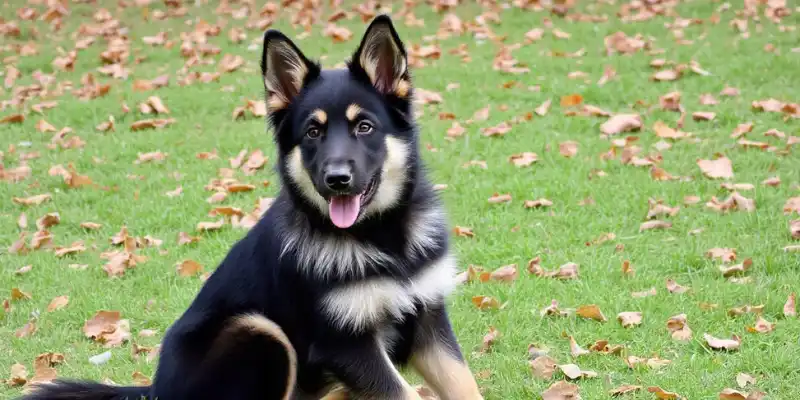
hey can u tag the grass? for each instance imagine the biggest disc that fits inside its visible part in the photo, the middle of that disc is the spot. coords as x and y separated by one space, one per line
152 295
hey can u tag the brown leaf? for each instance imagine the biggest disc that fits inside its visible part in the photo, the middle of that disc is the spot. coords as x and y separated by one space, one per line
106 327
75 247
792 205
645 293
663 394
189 268
562 390
736 311
761 326
572 371
703 116
543 108
537 203
666 75
629 319
19 376
506 273
742 129
19 246
33 200
621 123
13 119
743 379
17 294
720 167
679 328
662 130
463 231
139 379
500 198
230 63
150 157
489 339
338 34
674 287
736 269
23 270
723 254
27 330
151 124
58 303
240 187
723 344
498 130
486 302
624 389
48 220
794 229
523 159
654 224
184 239
571 100
210 226
790 307
456 130
591 311
543 367
568 149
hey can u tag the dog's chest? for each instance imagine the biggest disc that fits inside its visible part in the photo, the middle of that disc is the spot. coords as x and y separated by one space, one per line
366 304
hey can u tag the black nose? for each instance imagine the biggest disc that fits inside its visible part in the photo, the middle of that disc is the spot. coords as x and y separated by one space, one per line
338 177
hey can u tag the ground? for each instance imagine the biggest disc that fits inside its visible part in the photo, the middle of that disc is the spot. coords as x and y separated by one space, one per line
594 192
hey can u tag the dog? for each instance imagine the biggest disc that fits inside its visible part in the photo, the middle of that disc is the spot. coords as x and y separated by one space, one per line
345 276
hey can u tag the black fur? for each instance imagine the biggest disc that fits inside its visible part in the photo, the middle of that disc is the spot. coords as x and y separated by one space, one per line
200 358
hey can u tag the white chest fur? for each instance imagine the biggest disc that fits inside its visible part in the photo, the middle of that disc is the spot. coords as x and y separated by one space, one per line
361 305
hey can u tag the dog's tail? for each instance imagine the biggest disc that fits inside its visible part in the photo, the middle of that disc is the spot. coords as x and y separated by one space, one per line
77 390
246 333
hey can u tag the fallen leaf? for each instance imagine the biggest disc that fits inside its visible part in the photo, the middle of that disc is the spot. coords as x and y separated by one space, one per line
736 311
456 130
189 268
463 231
13 119
19 376
23 270
723 344
489 339
150 157
537 203
736 269
553 310
591 311
210 226
35 200
498 130
572 371
666 75
27 330
151 124
645 293
139 379
761 326
230 62
624 389
742 129
562 390
720 167
663 394
500 198
794 229
621 123
58 303
791 205
743 379
543 367
674 287
507 273
773 181
629 319
790 307
338 34
486 302
703 116
48 220
566 271
568 149
106 327
655 224
662 130
523 159
543 108
679 328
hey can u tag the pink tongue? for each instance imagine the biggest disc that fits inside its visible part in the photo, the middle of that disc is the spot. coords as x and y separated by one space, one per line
344 210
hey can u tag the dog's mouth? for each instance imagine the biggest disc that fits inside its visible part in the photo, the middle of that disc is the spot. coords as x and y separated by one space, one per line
344 209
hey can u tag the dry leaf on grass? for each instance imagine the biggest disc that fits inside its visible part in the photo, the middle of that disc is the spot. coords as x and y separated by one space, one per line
737 269
674 287
486 302
463 231
624 389
790 307
27 330
621 123
568 149
489 339
742 129
507 273
562 390
723 254
723 344
794 229
106 327
575 350
523 159
188 268
151 124
554 311
679 328
662 394
537 203
703 116
498 130
543 367
210 226
500 198
655 224
629 319
566 271
761 326
18 377
718 168
32 200
58 303
736 311
572 371
591 311
743 379
543 108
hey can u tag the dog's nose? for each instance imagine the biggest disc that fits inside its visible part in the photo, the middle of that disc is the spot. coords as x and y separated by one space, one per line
338 177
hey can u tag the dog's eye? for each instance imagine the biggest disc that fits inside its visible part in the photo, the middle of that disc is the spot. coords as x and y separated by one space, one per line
364 128
313 132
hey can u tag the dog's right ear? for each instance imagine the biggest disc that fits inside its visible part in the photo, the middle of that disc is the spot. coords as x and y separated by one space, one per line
285 70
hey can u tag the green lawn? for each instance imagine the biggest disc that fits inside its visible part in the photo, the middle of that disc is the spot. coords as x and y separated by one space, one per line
764 64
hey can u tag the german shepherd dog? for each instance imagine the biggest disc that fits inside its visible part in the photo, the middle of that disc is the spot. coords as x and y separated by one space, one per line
345 276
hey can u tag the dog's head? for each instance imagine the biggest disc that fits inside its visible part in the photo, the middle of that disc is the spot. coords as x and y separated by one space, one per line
344 136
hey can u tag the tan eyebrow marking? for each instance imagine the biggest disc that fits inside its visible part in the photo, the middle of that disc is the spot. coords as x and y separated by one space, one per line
352 111
320 115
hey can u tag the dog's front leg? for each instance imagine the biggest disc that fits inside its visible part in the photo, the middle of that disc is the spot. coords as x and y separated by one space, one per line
437 357
367 372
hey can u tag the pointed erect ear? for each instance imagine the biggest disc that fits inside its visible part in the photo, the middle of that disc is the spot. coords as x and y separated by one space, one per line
382 57
285 70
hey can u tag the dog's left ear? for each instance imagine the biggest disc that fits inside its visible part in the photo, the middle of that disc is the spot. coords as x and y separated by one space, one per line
285 70
382 57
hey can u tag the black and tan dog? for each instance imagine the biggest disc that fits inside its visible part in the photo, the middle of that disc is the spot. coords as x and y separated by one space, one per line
345 276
